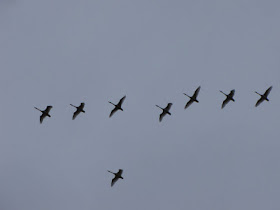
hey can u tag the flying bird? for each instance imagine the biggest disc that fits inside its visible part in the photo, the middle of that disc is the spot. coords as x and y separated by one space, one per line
264 96
117 176
192 98
229 97
164 111
44 113
79 110
117 106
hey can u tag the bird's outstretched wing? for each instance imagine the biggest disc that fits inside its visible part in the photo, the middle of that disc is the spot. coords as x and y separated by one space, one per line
113 111
120 172
114 181
268 91
259 101
42 117
168 107
189 103
231 94
196 92
225 102
48 109
82 105
75 114
161 116
121 101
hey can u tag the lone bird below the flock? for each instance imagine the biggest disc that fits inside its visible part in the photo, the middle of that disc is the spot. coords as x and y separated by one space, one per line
44 113
117 176
117 106
264 96
229 97
164 111
79 110
192 98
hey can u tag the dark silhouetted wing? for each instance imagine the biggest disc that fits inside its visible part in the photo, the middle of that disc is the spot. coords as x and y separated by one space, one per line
267 91
120 172
168 107
48 109
259 101
161 116
189 103
82 105
42 117
75 114
225 102
121 101
196 92
114 181
113 111
231 94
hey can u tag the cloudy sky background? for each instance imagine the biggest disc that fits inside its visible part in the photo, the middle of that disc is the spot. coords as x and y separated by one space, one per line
59 52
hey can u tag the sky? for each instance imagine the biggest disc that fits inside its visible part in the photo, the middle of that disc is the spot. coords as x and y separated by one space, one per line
62 52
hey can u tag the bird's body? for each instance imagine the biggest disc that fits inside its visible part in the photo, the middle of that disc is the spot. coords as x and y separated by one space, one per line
164 111
229 98
264 96
192 98
79 110
117 106
44 113
118 175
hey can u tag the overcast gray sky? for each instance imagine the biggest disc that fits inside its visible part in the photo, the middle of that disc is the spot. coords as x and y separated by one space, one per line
58 52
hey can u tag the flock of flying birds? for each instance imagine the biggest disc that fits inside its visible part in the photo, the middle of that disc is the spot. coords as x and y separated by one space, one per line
118 106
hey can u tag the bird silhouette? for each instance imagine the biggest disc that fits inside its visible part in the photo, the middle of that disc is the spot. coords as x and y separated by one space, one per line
117 106
229 97
192 98
263 97
117 176
79 110
44 113
164 111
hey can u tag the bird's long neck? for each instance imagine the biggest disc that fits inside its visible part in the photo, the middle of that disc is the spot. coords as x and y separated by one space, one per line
159 107
112 172
223 93
188 95
38 109
112 103
259 94
74 106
